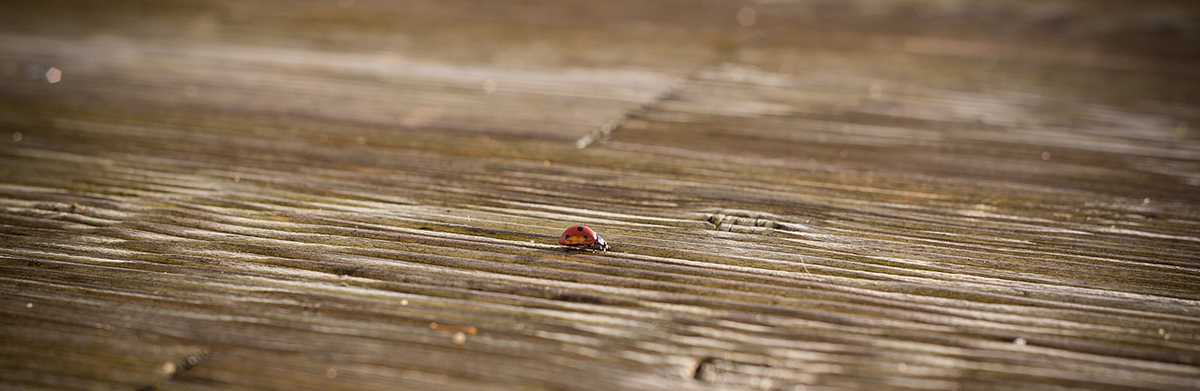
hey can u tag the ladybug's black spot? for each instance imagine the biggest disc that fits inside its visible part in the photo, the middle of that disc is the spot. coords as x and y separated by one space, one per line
585 237
580 229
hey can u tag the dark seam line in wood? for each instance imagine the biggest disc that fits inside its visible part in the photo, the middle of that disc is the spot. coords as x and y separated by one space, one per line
605 131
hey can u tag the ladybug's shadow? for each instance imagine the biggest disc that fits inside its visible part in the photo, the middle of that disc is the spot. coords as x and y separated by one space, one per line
583 249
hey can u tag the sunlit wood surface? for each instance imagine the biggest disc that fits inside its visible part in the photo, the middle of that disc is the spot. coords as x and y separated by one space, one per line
800 195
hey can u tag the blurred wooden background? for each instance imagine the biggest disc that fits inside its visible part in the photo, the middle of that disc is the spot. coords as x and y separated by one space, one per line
800 195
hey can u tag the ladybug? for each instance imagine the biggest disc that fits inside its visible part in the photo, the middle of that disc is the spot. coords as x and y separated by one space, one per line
582 237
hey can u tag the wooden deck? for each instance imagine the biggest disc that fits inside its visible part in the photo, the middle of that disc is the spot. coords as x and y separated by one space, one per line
800 195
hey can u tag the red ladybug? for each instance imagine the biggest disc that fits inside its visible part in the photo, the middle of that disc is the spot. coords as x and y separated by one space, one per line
582 237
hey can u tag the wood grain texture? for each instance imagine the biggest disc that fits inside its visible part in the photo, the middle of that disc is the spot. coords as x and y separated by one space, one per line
315 195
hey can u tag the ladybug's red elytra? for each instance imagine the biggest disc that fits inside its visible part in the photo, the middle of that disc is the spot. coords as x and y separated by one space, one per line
579 236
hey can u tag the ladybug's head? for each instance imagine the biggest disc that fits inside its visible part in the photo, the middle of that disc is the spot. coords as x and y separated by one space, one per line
578 236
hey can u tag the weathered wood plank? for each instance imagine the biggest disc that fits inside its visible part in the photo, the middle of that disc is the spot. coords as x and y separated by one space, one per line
364 195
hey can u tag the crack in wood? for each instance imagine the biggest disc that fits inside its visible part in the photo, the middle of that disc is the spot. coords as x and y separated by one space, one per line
605 131
173 370
712 369
748 221
580 298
